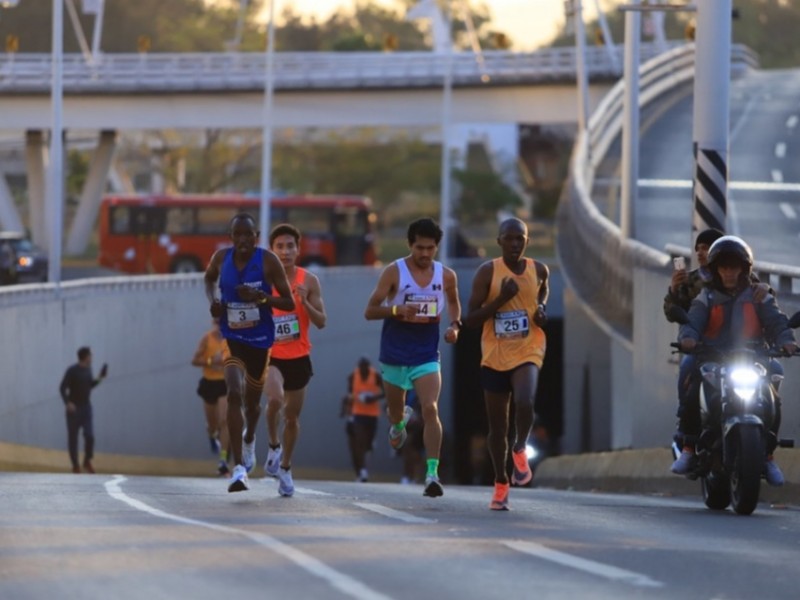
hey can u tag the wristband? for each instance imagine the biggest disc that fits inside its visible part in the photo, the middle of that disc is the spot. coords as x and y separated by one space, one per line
394 310
458 324
263 300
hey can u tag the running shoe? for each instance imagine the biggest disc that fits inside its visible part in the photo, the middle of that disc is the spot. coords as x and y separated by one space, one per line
215 445
398 438
273 461
500 498
238 481
433 487
285 483
773 473
222 468
249 454
521 474
87 466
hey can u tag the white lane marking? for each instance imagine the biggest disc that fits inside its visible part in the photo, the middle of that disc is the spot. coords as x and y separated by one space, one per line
589 566
748 186
791 122
777 176
787 210
344 583
780 149
393 514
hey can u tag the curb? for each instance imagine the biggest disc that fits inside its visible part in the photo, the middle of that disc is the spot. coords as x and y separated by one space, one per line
646 471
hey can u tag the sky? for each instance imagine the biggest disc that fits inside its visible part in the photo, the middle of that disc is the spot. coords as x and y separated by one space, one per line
530 23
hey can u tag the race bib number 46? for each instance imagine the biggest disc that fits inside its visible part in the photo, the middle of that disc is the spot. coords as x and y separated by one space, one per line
242 315
511 324
287 328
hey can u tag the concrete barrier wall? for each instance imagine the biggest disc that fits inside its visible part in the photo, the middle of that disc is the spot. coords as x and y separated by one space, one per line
147 329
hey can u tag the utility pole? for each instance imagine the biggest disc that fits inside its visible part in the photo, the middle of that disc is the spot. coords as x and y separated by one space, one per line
630 131
580 63
711 114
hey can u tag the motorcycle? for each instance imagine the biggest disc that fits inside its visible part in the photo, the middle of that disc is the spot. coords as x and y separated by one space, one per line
737 412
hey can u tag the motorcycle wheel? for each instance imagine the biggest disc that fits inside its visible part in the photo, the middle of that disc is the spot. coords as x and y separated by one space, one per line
716 491
746 473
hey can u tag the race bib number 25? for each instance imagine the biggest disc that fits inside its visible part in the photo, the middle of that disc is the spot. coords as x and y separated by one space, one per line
511 324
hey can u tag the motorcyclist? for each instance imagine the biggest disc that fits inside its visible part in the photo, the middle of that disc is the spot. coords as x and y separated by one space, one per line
720 317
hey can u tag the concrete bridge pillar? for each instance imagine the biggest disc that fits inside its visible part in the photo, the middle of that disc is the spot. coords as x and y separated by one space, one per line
9 217
92 193
36 162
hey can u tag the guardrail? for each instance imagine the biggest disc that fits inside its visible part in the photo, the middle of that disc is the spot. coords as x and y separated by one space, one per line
187 72
597 262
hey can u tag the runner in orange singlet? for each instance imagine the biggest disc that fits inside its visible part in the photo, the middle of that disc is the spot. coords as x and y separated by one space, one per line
290 368
508 298
365 387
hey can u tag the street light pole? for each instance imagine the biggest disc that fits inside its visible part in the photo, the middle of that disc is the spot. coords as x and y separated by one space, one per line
630 131
580 63
56 179
266 137
447 101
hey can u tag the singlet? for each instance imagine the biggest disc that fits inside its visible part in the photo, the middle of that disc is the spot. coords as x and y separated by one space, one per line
245 322
407 343
370 386
213 347
510 338
291 328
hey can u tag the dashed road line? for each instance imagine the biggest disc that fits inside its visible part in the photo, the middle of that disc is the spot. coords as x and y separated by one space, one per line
582 564
777 176
791 122
787 210
780 149
392 513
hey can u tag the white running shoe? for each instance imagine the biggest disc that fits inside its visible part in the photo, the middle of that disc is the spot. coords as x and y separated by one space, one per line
398 438
285 483
249 454
238 481
273 462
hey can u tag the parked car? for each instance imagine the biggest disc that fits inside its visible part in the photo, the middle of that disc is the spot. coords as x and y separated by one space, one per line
31 261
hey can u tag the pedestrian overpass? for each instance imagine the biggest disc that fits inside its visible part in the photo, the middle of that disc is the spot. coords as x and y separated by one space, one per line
138 92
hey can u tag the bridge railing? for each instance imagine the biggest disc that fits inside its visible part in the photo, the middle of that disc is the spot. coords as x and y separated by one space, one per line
110 73
597 262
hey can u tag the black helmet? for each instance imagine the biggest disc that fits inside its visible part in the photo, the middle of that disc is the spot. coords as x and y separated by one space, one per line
730 248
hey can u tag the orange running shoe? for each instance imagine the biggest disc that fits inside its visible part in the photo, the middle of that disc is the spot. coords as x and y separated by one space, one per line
521 474
500 498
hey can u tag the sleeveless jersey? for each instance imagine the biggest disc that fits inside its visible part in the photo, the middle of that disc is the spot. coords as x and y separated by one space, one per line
410 343
291 328
246 322
510 338
370 386
213 347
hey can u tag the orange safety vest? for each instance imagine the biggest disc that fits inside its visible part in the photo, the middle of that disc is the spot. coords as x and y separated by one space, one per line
370 386
716 320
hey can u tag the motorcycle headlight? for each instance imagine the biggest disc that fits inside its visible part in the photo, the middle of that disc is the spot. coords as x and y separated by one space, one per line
745 382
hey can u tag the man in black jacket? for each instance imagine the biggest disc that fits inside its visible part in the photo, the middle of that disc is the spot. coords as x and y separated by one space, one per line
76 387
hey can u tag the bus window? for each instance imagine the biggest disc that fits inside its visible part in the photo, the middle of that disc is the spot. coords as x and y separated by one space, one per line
180 220
215 220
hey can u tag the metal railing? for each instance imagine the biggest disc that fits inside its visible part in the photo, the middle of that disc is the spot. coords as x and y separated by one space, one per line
597 262
187 72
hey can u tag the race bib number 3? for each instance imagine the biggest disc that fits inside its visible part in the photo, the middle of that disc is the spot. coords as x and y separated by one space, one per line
511 324
427 306
287 328
242 315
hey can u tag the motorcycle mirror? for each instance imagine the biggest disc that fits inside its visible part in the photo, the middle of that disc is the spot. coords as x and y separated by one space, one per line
678 315
794 321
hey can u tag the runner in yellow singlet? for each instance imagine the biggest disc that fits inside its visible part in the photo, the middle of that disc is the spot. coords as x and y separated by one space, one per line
508 299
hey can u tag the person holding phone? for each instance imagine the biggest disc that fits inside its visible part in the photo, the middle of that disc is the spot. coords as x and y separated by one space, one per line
76 387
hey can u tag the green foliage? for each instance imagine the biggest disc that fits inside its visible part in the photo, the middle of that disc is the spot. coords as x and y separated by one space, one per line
768 27
483 193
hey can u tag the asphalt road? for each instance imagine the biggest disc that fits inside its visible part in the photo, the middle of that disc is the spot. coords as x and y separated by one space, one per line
108 536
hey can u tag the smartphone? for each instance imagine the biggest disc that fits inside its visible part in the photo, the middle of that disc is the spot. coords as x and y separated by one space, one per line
104 370
679 263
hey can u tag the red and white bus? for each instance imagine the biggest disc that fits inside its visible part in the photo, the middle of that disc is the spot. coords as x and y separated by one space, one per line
178 234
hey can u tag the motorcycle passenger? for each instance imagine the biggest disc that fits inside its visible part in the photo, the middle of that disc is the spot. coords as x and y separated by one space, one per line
721 317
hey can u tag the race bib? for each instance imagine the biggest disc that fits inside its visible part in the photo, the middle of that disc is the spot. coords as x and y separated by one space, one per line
287 328
427 306
511 324
242 315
